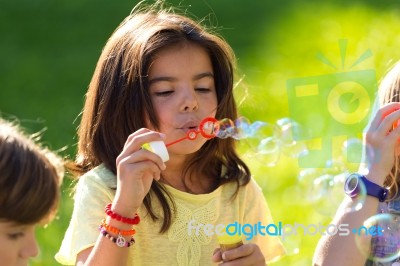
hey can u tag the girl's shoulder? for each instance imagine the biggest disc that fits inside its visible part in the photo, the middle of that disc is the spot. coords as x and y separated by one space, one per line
250 190
100 176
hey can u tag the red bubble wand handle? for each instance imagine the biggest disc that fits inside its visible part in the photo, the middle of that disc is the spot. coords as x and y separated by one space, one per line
191 135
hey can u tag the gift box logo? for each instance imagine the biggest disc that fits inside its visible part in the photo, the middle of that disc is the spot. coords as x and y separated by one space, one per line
331 106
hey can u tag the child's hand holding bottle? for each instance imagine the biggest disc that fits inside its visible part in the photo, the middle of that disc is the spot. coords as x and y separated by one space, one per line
136 170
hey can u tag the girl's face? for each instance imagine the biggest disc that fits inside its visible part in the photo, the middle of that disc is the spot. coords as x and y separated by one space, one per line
17 243
183 93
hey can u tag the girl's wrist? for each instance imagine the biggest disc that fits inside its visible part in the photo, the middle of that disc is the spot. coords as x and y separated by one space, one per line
376 176
374 173
126 203
123 209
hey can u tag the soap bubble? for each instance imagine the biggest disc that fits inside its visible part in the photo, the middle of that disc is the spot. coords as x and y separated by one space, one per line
324 188
226 128
291 138
356 151
268 151
378 237
265 141
306 179
243 128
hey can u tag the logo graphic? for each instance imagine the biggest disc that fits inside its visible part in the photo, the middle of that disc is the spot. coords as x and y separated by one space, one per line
333 105
249 231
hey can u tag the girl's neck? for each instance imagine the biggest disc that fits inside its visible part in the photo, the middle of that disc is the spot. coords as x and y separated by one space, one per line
196 183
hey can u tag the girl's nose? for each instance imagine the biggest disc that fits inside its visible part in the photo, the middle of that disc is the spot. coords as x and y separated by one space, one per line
30 247
190 102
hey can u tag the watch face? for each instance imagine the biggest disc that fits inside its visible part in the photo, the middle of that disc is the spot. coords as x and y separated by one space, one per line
351 185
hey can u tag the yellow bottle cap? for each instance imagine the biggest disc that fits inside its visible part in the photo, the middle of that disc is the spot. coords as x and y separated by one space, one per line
226 239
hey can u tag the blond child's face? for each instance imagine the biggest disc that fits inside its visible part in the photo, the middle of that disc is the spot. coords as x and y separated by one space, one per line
17 244
183 93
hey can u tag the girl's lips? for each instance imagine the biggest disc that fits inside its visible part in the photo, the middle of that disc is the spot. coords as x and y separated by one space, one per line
190 125
187 129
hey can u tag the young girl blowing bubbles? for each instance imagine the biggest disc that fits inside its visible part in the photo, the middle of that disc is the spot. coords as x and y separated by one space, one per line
383 140
159 75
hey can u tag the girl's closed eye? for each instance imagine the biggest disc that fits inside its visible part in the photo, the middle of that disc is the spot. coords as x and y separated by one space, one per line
203 90
164 93
16 236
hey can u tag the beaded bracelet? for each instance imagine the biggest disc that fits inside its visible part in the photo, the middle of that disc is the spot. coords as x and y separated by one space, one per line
115 230
120 241
118 217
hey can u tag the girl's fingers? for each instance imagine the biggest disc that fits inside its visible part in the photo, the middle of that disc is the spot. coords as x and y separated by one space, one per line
239 252
140 137
135 134
157 176
388 121
217 256
140 156
134 147
248 254
384 111
395 134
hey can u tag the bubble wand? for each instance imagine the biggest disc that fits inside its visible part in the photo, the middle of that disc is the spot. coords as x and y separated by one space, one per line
208 123
265 141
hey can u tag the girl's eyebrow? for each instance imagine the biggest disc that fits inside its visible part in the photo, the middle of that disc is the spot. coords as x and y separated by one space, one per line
171 79
203 75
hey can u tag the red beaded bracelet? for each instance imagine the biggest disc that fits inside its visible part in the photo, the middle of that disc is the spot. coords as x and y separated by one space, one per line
118 217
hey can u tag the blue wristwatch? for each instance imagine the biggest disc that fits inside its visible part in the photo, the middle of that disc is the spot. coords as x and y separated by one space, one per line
352 187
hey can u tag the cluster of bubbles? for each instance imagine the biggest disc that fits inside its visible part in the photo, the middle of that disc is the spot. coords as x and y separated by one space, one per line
264 141
324 189
321 187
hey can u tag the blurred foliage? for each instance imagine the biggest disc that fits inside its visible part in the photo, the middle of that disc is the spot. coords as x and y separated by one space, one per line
50 48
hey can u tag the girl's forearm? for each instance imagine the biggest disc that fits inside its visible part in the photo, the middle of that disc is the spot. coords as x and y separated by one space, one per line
342 249
115 239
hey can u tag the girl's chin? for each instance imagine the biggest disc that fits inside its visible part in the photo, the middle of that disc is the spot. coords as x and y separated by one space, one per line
186 146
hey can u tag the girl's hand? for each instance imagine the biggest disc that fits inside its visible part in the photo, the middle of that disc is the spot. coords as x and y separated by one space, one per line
245 255
382 140
136 170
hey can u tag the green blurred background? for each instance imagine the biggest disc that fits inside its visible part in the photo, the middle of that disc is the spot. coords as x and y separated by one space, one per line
49 50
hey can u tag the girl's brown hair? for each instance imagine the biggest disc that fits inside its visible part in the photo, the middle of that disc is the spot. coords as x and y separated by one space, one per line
118 100
30 176
389 90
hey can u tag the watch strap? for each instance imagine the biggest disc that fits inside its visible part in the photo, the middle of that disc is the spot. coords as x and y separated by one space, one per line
375 190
